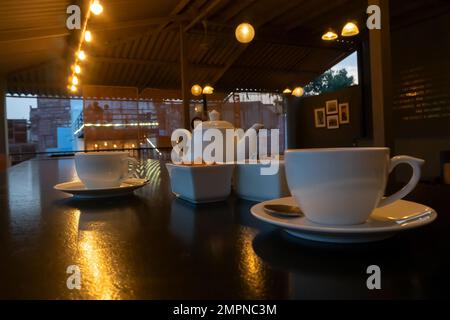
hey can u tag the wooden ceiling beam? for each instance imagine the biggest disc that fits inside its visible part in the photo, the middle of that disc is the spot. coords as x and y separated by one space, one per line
32 34
202 15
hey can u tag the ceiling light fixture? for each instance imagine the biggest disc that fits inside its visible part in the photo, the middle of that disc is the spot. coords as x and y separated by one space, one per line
245 32
196 90
350 29
329 35
298 91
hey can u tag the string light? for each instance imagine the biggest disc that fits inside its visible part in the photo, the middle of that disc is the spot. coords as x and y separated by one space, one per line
287 91
77 69
96 7
88 36
75 80
81 55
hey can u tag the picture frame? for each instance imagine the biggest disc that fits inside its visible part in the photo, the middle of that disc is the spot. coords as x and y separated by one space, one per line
333 122
344 113
332 107
320 118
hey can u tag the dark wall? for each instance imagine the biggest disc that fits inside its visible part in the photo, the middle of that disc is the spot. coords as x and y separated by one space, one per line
301 130
421 91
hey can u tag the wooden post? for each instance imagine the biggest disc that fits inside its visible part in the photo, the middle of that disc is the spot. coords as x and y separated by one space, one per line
185 90
4 158
381 80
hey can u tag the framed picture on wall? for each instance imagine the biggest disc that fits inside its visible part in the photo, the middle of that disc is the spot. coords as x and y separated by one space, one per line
344 113
332 106
320 118
333 122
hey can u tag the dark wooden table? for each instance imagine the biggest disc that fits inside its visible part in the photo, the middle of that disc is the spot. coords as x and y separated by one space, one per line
154 246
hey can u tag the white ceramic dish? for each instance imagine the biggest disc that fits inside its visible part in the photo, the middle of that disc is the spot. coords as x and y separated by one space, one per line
251 185
79 190
380 225
201 184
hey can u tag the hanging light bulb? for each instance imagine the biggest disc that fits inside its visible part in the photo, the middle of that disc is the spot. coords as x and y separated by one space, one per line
75 80
208 89
245 32
81 55
298 91
73 88
330 35
77 69
88 36
350 29
96 7
196 90
287 91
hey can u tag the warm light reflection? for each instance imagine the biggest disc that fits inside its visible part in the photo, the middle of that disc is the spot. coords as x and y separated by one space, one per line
97 268
287 91
250 265
138 124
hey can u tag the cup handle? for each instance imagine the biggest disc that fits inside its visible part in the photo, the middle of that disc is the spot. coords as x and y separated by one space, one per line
415 163
132 173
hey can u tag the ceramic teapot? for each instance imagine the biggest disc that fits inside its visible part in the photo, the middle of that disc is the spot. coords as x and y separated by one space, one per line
200 139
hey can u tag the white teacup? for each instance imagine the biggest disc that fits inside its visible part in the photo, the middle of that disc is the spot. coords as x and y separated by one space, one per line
342 186
103 169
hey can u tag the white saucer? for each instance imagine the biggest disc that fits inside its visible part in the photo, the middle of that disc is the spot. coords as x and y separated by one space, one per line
379 226
79 190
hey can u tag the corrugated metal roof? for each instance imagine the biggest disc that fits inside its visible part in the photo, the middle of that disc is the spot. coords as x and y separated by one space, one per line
137 43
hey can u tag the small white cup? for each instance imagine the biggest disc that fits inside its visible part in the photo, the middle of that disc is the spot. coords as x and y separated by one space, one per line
342 186
103 169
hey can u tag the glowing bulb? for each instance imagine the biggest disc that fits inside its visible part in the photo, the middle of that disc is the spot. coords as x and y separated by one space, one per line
105 144
330 35
245 32
75 80
298 92
208 89
81 55
96 146
196 90
88 36
115 146
77 69
96 7
73 88
350 29
133 145
287 91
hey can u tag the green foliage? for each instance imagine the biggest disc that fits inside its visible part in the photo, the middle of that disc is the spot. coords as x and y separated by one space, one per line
329 81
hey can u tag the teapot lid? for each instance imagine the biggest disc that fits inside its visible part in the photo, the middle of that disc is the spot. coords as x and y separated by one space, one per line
215 122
